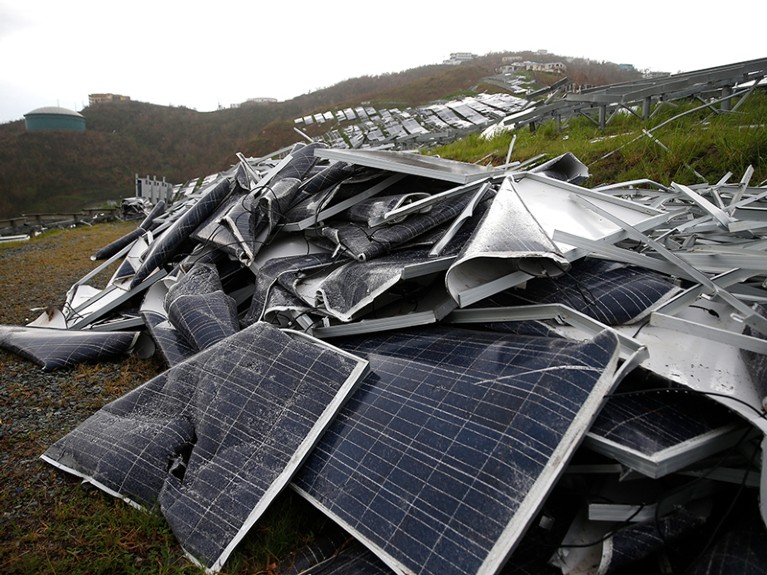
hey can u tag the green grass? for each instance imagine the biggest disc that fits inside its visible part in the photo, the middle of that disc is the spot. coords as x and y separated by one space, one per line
700 142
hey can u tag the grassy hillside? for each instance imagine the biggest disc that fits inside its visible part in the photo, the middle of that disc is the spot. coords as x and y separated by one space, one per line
57 171
688 143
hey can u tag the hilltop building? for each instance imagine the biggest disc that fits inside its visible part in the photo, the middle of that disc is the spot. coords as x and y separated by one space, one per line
106 98
459 58
52 118
557 67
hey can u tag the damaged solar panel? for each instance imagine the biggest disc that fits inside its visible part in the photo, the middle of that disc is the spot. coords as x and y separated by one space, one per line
214 439
443 458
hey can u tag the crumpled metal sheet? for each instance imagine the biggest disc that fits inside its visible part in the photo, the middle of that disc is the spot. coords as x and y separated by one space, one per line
214 439
508 239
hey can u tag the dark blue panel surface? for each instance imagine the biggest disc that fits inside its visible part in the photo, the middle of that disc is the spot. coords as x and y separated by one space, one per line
213 439
432 459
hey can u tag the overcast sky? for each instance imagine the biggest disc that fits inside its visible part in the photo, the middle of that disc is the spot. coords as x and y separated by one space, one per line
210 54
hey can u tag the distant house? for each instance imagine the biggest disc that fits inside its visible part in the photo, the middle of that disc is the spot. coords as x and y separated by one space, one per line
557 67
106 98
457 58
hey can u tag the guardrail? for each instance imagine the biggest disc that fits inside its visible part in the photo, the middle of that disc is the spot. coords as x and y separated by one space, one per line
34 222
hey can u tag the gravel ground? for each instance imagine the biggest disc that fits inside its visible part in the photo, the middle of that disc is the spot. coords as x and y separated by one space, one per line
49 521
37 408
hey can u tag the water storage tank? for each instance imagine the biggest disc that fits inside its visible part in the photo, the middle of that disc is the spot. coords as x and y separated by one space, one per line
54 118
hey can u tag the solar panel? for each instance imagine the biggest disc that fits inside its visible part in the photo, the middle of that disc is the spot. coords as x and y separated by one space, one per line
166 245
446 452
199 309
609 292
657 433
53 348
215 438
364 243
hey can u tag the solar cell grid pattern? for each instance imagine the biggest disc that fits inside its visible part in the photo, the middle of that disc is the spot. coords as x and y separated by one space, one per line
364 243
432 458
214 438
56 348
610 293
654 421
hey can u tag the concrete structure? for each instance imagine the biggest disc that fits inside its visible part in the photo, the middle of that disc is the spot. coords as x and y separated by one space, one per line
52 118
153 189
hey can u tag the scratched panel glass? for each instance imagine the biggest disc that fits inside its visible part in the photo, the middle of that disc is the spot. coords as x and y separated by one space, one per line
61 348
350 290
507 240
610 292
657 433
342 182
445 454
214 439
267 277
216 232
199 309
302 160
173 347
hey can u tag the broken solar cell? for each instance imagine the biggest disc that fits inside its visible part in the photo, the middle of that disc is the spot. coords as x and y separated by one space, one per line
610 292
369 211
199 309
273 202
53 348
215 438
349 289
659 432
173 346
346 184
445 454
364 243
302 159
270 271
211 232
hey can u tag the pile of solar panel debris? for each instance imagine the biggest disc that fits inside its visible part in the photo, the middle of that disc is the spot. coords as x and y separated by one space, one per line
468 369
